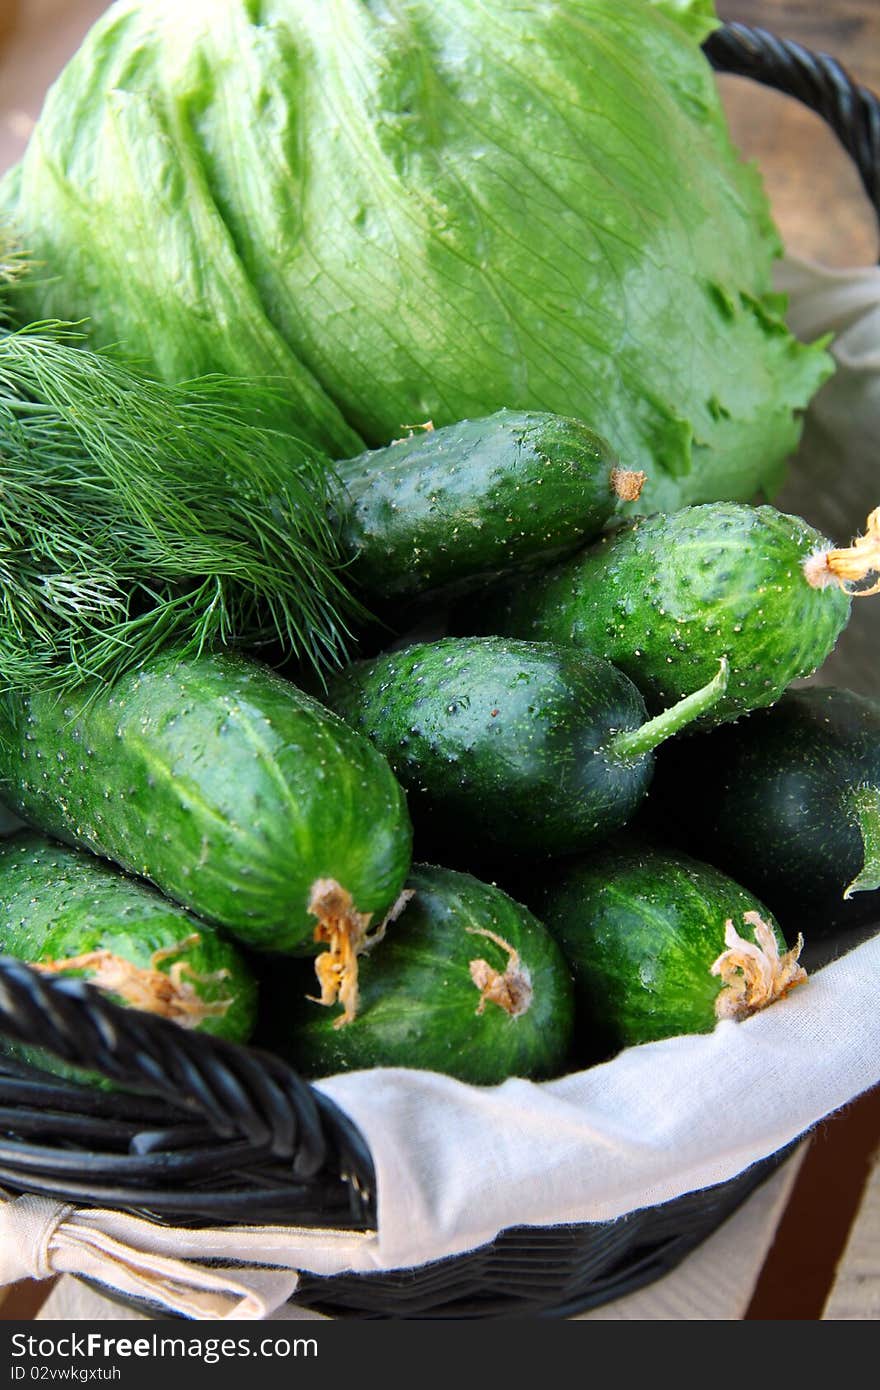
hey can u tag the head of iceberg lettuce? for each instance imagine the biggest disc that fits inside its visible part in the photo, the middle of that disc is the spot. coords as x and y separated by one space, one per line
403 210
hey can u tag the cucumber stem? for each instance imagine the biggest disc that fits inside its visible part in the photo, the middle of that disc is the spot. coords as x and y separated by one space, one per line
631 744
851 564
866 805
627 483
753 972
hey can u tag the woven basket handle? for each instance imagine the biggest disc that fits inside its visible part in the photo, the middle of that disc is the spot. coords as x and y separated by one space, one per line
239 1093
817 80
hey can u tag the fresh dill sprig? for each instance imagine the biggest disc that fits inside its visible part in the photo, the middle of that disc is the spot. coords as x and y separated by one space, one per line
134 514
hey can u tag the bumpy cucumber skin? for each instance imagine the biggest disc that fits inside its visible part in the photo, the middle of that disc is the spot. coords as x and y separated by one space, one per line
771 799
665 597
640 928
223 784
446 510
501 741
418 1003
57 902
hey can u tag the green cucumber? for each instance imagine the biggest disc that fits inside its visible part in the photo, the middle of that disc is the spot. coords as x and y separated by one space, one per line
642 930
467 982
234 792
789 800
68 913
663 597
521 745
442 511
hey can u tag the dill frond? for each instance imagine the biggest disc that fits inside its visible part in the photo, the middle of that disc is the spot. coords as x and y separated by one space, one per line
134 514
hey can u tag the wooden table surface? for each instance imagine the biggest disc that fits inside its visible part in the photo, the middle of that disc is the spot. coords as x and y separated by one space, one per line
823 214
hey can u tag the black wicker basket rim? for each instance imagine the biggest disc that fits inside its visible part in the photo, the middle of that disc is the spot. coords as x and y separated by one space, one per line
207 1130
817 80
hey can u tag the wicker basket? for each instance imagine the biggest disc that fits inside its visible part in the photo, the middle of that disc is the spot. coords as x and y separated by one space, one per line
218 1134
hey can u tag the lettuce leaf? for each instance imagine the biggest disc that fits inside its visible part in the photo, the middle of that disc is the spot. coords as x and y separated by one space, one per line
409 211
697 17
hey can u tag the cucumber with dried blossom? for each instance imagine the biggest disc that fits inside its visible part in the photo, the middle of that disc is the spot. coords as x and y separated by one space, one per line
664 596
661 944
788 799
528 746
444 510
466 982
70 914
234 792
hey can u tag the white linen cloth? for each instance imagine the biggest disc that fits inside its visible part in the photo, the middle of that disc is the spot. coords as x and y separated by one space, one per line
457 1164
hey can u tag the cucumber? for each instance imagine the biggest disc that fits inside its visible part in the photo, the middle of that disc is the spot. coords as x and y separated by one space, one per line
237 794
644 930
442 511
521 745
467 982
68 913
789 800
663 597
